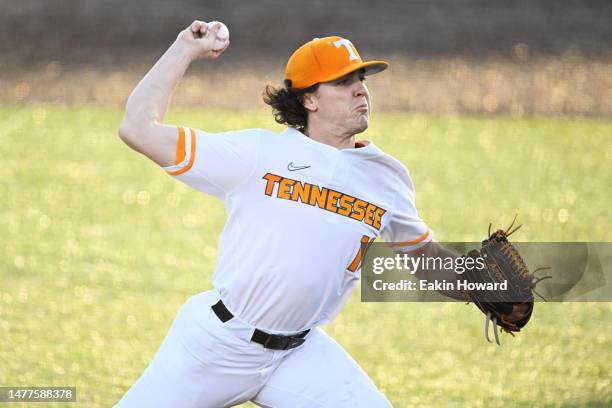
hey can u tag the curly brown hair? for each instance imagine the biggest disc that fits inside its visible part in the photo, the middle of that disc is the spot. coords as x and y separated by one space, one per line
287 107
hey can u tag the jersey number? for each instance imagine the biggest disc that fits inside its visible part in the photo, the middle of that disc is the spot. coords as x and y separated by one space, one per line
363 247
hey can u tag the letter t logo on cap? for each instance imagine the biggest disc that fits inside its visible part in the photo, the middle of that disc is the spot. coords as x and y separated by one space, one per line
347 44
320 61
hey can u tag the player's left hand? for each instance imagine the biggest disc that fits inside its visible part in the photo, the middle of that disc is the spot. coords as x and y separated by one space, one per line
512 307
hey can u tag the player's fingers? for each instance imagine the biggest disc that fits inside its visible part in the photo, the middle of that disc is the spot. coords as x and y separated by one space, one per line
204 28
226 45
195 26
217 53
214 29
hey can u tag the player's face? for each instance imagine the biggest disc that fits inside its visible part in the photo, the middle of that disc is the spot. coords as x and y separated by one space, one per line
344 103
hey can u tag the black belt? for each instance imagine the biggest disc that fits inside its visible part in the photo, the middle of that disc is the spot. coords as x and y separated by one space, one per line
270 341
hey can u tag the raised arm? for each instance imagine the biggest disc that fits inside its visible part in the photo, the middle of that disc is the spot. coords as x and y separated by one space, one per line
142 127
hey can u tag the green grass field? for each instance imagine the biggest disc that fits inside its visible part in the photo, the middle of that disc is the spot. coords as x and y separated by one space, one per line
99 249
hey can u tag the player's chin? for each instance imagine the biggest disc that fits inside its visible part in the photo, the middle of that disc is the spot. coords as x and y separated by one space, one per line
361 124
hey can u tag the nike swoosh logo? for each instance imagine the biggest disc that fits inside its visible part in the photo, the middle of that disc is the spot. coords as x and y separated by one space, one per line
291 167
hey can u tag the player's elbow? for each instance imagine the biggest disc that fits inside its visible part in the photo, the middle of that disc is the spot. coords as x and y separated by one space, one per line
157 142
126 131
129 134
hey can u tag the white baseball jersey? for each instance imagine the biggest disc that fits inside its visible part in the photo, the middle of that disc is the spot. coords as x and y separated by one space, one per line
298 212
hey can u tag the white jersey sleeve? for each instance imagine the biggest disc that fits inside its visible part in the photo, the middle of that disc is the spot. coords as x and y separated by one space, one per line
215 163
405 231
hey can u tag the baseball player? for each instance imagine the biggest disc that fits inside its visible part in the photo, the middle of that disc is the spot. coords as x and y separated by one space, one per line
300 204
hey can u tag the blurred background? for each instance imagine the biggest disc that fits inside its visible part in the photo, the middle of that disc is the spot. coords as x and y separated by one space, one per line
496 107
540 57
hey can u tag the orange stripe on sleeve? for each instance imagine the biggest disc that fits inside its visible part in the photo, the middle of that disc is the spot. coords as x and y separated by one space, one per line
191 159
180 146
413 242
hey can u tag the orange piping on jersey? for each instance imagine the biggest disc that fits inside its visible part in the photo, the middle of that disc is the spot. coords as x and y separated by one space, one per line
180 146
193 152
413 242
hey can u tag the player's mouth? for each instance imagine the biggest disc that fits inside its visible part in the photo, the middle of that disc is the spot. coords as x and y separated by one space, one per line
363 108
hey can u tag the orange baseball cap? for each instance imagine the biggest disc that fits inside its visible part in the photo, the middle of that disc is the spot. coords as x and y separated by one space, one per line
326 59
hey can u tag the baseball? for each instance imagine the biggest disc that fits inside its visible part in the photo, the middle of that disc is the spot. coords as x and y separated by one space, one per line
222 35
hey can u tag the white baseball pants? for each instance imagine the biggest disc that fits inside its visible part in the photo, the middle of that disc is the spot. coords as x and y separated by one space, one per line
203 362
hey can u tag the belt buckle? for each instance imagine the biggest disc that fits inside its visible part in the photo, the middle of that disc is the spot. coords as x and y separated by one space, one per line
294 342
278 342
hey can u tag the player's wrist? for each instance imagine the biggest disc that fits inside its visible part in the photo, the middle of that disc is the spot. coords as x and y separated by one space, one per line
184 51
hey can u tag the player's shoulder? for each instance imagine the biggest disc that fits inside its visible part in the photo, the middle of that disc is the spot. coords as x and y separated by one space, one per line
389 162
258 133
283 139
238 138
397 175
251 136
237 133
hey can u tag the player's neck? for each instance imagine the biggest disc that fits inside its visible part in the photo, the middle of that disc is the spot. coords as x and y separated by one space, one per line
330 136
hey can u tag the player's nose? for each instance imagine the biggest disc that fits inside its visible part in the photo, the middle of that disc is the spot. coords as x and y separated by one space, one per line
360 89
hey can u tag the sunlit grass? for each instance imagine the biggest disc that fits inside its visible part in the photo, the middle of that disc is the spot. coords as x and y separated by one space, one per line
99 248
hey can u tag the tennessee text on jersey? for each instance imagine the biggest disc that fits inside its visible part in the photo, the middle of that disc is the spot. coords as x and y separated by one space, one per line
324 198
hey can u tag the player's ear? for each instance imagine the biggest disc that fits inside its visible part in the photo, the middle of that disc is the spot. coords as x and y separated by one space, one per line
309 101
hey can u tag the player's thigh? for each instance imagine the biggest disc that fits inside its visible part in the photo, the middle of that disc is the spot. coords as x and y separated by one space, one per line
202 371
320 373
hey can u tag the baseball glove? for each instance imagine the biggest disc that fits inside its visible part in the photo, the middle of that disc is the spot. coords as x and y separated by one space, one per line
508 305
